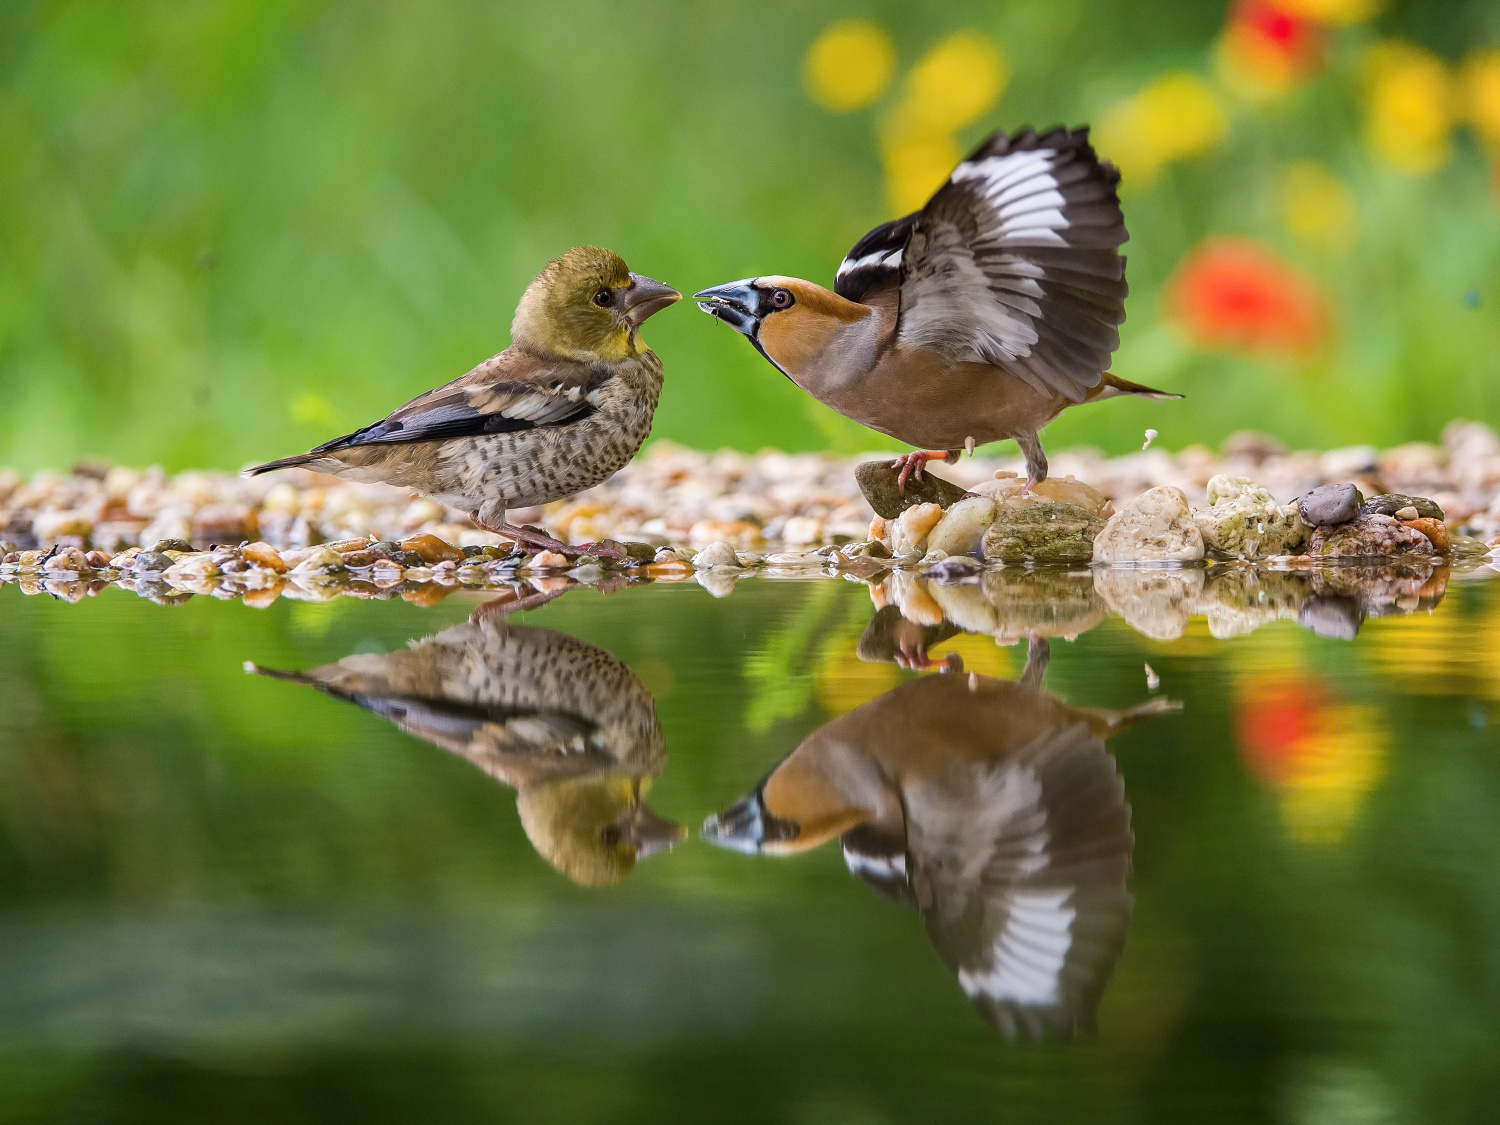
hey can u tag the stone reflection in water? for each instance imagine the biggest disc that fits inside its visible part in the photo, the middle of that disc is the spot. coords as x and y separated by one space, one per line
988 805
1157 602
563 722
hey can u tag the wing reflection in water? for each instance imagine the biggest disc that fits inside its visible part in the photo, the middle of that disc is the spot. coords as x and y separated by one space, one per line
564 723
988 805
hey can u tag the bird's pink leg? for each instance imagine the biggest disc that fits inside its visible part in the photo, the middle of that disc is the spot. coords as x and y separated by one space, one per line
1036 461
913 463
535 537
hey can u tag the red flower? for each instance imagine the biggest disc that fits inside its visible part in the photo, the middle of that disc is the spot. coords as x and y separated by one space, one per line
1234 293
1277 721
1270 45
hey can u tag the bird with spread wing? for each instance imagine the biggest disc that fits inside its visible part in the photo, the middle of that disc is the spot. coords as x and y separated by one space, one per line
562 409
992 808
980 317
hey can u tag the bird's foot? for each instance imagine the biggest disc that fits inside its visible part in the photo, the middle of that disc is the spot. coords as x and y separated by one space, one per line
912 464
915 658
1030 486
537 538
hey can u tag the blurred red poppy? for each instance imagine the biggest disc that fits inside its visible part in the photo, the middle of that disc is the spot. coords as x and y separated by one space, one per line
1277 722
1234 293
1271 45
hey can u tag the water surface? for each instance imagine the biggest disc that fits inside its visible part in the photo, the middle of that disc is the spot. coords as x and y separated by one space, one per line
1267 889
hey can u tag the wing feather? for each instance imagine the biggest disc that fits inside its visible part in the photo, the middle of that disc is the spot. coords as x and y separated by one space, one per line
1014 262
507 393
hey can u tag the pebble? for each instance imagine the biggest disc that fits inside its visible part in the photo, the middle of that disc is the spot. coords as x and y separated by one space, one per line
1156 526
717 554
909 529
548 560
1369 536
1329 504
1041 532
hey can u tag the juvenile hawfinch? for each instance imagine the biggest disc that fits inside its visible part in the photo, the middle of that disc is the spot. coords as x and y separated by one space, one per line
989 806
564 723
560 410
977 318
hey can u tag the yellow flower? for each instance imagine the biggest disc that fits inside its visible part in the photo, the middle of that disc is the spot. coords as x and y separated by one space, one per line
1481 93
1335 771
953 85
1316 206
916 168
849 65
1411 106
1176 116
1330 11
843 681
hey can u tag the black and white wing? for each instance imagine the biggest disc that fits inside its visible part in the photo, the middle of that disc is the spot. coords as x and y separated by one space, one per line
875 262
1019 868
1013 262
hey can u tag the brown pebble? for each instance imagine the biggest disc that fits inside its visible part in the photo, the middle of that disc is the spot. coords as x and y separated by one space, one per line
431 548
1435 530
670 571
429 593
97 560
260 599
264 555
365 557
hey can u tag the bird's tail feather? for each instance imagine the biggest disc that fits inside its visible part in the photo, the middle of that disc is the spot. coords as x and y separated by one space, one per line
255 669
1161 705
1112 386
283 463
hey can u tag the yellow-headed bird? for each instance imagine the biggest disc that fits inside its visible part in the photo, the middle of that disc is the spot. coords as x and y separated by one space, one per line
560 410
979 317
991 807
565 723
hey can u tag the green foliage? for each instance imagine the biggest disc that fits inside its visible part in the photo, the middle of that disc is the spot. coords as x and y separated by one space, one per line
232 229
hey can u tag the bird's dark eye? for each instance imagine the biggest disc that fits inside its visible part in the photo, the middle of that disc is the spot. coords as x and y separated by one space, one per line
781 299
603 298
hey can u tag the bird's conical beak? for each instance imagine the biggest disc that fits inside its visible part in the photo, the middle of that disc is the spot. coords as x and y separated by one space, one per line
651 833
645 298
746 826
736 303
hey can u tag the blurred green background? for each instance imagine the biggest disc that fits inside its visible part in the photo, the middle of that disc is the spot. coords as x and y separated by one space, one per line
231 229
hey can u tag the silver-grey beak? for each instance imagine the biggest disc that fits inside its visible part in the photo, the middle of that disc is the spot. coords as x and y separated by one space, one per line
736 303
651 833
645 298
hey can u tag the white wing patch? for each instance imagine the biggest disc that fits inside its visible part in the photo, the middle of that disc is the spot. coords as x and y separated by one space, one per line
1027 959
887 259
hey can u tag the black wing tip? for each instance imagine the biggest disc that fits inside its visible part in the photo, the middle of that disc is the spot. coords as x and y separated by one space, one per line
1058 137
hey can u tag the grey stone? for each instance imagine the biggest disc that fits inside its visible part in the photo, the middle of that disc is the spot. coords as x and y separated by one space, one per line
1043 533
1369 536
877 480
1329 505
151 562
1392 502
1331 616
1156 527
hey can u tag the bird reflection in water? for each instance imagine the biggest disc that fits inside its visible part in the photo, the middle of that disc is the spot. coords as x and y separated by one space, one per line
563 722
988 805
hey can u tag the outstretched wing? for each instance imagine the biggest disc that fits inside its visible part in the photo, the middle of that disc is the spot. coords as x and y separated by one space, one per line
1014 262
508 392
1020 867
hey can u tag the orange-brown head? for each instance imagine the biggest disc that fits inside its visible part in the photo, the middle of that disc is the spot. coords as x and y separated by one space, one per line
793 323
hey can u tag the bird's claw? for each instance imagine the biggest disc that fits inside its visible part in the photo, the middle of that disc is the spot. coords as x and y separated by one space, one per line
912 464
